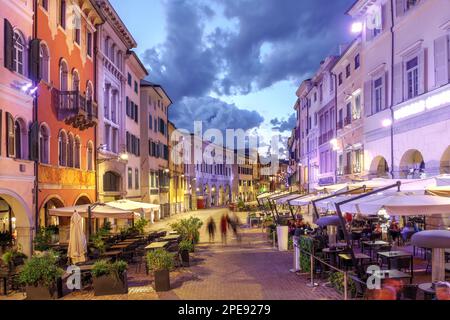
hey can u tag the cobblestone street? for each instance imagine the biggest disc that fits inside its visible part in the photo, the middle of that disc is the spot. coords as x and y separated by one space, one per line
251 270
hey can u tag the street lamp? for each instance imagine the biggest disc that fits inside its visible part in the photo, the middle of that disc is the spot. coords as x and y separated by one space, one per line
357 27
386 123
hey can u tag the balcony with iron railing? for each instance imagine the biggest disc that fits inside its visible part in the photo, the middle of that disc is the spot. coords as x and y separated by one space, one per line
75 109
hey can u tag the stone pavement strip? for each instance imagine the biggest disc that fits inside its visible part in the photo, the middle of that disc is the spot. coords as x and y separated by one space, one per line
251 270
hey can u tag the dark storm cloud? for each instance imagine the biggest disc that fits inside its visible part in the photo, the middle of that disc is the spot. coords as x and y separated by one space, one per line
213 113
192 63
284 125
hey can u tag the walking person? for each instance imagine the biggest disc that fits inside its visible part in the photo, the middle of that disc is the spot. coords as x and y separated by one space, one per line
234 224
211 225
223 228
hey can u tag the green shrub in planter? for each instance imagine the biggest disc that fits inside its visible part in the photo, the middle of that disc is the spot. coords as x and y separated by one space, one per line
110 277
13 258
337 281
40 275
161 263
140 225
5 240
185 247
188 229
42 239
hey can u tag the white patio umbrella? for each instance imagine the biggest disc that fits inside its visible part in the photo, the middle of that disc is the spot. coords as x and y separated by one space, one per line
77 240
404 204
135 206
97 211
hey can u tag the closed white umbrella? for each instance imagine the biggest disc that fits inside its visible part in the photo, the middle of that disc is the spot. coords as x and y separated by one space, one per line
77 241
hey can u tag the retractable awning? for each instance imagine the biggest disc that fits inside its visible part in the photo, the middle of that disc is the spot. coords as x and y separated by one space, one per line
98 211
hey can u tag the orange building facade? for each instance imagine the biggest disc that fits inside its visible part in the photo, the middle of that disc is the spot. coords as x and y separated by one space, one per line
67 111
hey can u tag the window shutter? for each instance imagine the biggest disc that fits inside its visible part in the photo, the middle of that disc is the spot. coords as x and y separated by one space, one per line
368 98
386 90
136 114
128 141
9 45
138 147
34 60
10 137
34 142
399 7
422 71
384 17
127 104
441 65
1 131
398 83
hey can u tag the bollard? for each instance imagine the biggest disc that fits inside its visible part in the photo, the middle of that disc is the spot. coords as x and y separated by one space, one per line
345 285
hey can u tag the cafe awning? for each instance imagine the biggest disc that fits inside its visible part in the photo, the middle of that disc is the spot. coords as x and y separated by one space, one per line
333 188
98 211
133 205
304 201
285 199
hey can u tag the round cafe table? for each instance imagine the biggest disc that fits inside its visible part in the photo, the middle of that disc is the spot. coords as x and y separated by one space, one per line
428 290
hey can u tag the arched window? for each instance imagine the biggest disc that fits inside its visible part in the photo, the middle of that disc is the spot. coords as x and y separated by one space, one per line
44 140
62 146
119 60
18 139
44 63
63 76
106 48
89 98
112 52
70 151
90 156
75 81
19 53
77 153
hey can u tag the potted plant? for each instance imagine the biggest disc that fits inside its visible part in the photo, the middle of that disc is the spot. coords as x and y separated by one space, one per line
42 240
13 258
98 245
161 263
40 275
185 247
54 233
110 278
140 225
188 229
5 240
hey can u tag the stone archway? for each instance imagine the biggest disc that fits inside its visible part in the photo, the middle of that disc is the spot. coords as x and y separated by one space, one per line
82 199
221 196
214 198
445 162
412 164
379 167
23 219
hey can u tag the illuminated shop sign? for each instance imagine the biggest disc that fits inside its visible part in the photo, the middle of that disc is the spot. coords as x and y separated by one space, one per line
434 101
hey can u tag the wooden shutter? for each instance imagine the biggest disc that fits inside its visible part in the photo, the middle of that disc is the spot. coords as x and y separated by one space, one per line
128 142
138 147
34 60
422 71
10 137
441 65
1 131
399 8
34 142
127 104
136 113
398 83
368 98
9 45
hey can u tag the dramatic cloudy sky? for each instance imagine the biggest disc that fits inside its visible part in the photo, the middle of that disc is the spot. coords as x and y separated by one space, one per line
234 63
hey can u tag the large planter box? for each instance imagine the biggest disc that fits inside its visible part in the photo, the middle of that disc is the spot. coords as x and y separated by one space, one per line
41 293
185 258
109 285
282 236
162 280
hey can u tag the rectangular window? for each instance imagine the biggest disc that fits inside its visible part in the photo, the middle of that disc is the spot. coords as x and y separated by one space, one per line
89 43
357 61
412 77
136 87
349 113
130 80
150 122
347 71
378 94
136 179
130 178
44 4
128 142
340 78
136 115
62 14
357 164
357 110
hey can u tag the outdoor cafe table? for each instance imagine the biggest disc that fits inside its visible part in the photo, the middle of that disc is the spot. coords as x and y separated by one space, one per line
390 255
428 290
347 257
373 244
172 237
173 233
332 252
391 274
120 246
157 245
112 254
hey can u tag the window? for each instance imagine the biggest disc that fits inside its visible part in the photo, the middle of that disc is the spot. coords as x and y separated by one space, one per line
44 4
340 78
62 14
70 151
63 76
89 44
315 96
321 92
357 61
111 182
412 78
130 178
90 156
410 3
77 28
62 149
357 164
18 139
43 145
347 71
357 109
19 53
129 79
75 81
106 46
77 153
349 113
378 95
44 63
136 87
150 122
136 179
348 168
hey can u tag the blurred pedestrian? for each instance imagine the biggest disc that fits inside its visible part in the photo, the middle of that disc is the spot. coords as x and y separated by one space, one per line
443 291
211 225
234 224
223 227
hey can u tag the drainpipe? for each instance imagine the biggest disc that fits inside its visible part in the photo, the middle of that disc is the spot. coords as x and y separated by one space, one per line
35 119
392 88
